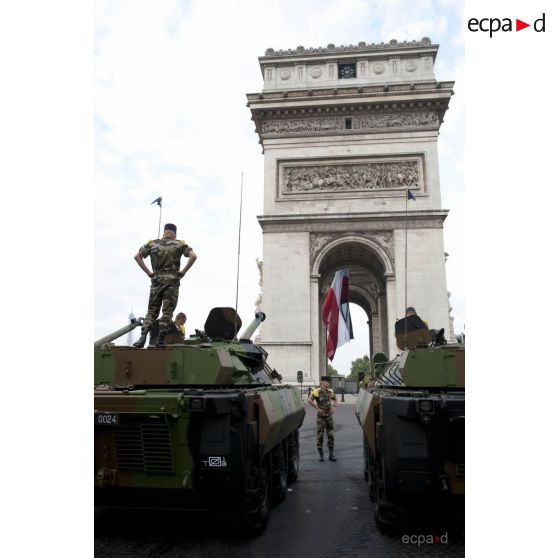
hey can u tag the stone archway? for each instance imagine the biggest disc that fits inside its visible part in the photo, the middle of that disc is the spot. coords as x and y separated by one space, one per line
367 257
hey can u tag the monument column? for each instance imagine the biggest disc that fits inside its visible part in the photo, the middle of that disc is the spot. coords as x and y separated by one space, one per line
315 318
370 334
375 331
382 325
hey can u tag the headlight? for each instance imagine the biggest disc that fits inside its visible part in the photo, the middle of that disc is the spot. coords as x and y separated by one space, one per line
196 404
426 406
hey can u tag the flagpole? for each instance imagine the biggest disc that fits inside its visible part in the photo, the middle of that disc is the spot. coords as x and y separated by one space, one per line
405 309
324 372
238 257
160 212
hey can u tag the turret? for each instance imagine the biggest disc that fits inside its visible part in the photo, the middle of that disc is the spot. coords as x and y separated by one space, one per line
215 356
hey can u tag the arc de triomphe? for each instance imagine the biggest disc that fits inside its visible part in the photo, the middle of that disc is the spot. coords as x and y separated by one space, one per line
345 131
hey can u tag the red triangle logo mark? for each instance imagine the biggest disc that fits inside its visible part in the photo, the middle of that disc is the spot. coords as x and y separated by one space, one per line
519 25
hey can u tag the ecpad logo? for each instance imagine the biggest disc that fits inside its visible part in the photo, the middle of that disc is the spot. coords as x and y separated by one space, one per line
494 24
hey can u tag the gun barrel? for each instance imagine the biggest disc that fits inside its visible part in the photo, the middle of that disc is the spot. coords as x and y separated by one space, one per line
118 333
249 331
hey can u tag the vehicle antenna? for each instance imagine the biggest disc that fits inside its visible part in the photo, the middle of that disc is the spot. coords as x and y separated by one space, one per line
238 257
159 202
160 213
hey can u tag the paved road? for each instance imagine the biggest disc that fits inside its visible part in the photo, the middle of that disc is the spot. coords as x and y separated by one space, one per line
327 513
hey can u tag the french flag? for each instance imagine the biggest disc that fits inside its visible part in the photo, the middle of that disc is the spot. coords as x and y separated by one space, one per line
335 313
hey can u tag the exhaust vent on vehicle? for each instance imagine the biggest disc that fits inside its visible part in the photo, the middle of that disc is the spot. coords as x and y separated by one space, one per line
144 446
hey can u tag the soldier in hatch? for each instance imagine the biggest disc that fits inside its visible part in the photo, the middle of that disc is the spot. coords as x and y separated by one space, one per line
324 401
180 323
165 254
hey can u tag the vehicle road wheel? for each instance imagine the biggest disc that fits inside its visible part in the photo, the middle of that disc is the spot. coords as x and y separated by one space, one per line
255 520
280 472
384 526
372 481
366 452
294 458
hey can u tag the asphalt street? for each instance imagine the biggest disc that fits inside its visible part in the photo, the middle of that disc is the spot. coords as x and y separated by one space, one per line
327 513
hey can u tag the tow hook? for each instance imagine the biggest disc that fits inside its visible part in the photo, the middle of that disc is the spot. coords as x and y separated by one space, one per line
106 477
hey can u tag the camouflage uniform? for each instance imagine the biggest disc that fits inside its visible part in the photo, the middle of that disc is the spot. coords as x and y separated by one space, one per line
324 398
165 254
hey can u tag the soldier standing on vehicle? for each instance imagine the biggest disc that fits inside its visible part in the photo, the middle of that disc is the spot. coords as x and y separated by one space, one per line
165 254
324 401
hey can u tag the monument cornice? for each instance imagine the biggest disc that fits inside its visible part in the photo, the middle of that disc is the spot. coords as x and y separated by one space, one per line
345 222
349 105
312 95
359 50
401 102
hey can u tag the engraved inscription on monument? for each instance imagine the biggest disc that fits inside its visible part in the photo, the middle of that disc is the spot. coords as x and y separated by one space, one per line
350 176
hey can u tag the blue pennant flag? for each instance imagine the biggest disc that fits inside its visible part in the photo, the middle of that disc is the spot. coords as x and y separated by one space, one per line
410 195
159 200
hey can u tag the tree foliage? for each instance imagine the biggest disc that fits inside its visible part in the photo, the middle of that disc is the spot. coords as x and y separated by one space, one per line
331 371
360 365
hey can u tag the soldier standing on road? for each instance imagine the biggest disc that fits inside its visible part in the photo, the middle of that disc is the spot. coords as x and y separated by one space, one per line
165 254
324 401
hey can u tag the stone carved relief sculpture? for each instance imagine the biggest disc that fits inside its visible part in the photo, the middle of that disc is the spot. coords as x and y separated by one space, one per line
365 176
452 336
385 239
396 120
382 238
258 302
373 290
317 242
299 125
368 122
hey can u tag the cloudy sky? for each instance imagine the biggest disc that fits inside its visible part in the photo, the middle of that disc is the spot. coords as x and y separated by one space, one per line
171 121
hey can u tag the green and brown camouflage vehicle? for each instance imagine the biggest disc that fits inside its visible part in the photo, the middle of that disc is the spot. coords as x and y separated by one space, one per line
202 425
413 420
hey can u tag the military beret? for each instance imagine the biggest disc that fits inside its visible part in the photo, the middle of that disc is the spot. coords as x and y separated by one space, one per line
170 227
326 378
411 309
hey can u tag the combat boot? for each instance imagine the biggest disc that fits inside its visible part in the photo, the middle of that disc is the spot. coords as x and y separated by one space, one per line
331 456
143 338
321 452
161 341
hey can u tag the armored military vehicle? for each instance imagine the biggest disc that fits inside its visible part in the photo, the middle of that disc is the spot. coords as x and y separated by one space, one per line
413 418
202 425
